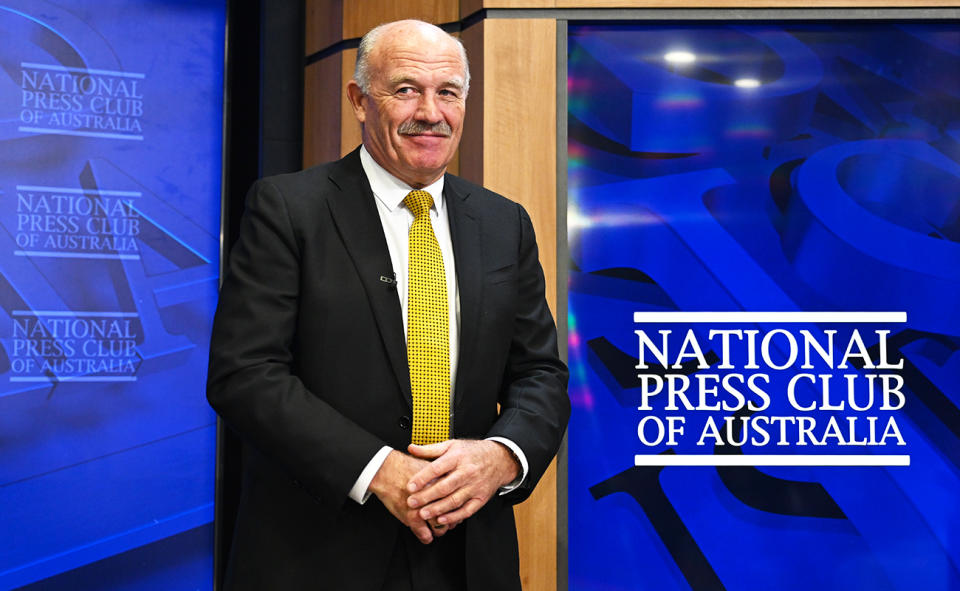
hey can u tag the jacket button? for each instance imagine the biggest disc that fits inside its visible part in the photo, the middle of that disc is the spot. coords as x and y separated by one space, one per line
404 422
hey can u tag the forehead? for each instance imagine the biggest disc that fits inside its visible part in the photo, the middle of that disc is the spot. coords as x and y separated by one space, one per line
415 56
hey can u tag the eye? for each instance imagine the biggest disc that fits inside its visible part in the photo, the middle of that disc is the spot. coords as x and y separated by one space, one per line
405 91
449 93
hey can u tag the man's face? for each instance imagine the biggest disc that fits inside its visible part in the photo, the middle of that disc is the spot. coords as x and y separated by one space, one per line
413 115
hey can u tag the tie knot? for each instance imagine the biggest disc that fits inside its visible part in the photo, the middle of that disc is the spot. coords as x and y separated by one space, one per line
418 202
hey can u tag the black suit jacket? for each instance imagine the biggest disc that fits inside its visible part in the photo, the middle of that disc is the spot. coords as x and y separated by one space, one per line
308 365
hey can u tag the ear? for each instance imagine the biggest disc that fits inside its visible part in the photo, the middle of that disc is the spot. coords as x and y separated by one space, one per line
356 98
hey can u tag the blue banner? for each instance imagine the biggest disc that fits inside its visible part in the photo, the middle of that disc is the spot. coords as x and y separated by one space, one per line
110 165
764 329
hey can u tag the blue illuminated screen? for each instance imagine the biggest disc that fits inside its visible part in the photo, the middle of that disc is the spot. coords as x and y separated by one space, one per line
110 164
808 170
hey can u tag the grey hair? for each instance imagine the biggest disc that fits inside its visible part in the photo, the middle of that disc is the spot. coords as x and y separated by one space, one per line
361 73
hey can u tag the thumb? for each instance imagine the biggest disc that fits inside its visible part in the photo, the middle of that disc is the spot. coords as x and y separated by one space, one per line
429 452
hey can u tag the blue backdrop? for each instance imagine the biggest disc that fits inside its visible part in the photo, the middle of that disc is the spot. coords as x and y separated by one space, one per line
763 167
110 163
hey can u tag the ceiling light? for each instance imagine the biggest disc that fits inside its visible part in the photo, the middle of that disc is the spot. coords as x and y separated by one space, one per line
680 57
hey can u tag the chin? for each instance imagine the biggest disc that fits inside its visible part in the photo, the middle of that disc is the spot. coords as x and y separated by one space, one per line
427 166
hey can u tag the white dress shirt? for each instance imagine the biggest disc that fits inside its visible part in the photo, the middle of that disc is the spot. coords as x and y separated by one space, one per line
396 220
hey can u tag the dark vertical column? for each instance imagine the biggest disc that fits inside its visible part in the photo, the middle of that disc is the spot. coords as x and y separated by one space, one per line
263 136
281 89
241 161
242 126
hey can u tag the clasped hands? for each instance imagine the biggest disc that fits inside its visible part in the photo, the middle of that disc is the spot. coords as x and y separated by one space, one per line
436 487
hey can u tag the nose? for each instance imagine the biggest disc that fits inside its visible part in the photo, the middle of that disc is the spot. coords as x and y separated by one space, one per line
429 110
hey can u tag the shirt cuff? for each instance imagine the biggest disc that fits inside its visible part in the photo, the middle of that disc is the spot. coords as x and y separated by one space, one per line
360 491
518 453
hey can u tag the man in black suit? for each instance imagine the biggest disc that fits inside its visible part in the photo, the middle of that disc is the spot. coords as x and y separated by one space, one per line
310 362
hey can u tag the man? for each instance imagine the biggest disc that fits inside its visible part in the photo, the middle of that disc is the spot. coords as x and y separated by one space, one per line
372 304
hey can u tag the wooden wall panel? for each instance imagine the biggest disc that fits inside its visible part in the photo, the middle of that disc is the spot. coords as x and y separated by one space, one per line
349 126
474 5
321 117
519 123
468 7
323 26
471 144
359 16
519 161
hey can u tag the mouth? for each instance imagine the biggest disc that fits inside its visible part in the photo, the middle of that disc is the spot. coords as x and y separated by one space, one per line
427 137
428 134
425 140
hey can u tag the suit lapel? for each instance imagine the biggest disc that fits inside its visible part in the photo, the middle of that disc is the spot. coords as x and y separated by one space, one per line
355 214
468 255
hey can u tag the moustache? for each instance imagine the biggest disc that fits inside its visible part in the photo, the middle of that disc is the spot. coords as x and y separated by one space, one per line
420 128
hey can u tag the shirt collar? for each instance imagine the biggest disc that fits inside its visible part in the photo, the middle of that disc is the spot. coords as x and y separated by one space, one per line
389 189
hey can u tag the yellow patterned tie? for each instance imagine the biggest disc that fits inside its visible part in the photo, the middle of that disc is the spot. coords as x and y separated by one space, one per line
428 331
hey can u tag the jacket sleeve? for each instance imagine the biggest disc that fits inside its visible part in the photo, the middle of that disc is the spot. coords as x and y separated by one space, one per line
534 406
250 381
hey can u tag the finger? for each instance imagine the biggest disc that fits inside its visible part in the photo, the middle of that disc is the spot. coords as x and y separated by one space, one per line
436 490
430 472
429 452
447 504
438 529
422 531
465 511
